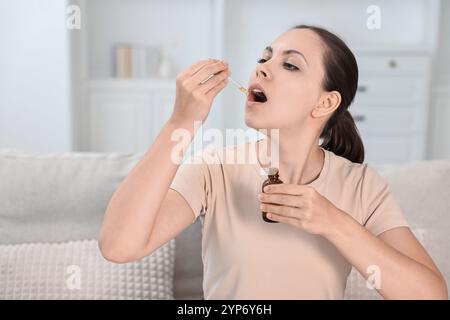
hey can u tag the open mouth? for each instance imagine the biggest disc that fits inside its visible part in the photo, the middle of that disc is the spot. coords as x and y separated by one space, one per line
257 95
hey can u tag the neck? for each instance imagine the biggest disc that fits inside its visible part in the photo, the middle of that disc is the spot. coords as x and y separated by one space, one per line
300 158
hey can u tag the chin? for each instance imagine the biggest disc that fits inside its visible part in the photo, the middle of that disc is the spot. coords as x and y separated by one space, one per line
259 119
252 122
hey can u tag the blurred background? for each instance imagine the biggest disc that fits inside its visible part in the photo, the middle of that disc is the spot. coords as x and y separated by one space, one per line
99 75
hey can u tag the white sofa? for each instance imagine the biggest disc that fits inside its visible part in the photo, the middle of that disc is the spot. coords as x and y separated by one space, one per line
58 198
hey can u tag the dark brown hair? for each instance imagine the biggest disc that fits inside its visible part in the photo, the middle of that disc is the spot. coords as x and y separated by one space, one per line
340 134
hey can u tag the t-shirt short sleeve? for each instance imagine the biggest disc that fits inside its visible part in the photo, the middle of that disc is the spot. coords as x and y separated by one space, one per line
382 210
193 181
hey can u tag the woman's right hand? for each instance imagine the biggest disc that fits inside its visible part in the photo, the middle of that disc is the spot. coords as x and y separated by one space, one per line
193 100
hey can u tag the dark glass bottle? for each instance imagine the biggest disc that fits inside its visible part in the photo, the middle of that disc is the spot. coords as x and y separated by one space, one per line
272 179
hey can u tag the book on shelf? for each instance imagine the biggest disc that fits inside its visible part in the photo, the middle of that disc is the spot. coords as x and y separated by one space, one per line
138 61
124 63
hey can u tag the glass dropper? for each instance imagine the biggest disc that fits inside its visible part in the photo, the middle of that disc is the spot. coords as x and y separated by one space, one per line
240 87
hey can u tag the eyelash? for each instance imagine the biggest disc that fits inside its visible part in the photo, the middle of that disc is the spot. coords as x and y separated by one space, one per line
291 67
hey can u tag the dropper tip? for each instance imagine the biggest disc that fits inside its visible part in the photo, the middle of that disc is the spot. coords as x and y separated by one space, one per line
240 87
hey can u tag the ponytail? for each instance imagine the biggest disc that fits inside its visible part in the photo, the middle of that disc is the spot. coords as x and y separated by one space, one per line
341 136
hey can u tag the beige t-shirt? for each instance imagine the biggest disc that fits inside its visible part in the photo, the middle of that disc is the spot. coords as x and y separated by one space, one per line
247 258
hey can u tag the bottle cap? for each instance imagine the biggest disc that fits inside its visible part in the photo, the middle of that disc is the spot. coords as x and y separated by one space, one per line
272 171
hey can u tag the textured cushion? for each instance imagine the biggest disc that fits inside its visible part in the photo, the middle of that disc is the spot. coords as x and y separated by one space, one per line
57 197
77 270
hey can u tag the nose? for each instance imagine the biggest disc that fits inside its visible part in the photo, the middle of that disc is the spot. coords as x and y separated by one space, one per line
262 72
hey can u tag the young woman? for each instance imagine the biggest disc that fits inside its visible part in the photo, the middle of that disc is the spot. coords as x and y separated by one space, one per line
334 212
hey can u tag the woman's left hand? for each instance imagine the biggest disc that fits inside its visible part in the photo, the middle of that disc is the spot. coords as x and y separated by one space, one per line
300 206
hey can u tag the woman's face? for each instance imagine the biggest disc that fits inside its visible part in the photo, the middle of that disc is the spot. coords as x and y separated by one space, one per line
290 72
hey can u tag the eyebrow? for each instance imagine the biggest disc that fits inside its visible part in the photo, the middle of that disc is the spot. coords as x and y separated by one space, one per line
286 52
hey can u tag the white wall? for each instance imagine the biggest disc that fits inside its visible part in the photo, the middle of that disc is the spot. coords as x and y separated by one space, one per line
443 55
35 111
439 138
